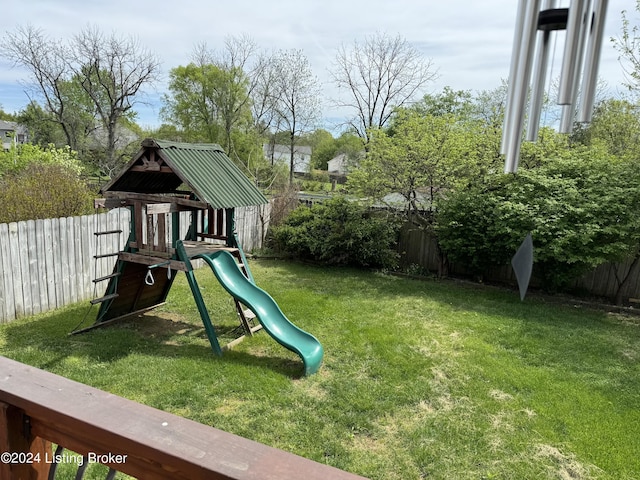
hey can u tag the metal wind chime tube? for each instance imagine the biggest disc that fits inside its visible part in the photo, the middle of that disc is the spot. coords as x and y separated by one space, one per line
584 25
540 73
590 77
513 70
571 48
514 114
569 110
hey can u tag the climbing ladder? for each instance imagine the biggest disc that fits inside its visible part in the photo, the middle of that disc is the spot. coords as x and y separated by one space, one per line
116 273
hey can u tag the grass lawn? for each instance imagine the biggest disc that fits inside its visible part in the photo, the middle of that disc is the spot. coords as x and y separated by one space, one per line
421 379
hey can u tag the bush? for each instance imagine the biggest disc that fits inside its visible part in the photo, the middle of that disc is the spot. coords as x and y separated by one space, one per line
20 157
339 232
581 212
43 191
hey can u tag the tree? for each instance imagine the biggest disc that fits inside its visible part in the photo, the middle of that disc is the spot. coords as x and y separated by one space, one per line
417 157
628 45
46 60
192 103
296 97
615 126
323 148
377 76
112 71
91 76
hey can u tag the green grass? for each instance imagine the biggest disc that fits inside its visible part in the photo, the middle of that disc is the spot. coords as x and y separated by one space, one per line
421 379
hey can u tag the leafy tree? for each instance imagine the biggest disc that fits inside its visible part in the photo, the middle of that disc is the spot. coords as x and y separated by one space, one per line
7 116
418 157
377 76
323 148
615 126
42 125
448 102
192 103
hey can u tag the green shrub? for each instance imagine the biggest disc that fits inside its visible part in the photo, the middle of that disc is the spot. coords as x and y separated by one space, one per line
581 212
43 191
339 232
21 156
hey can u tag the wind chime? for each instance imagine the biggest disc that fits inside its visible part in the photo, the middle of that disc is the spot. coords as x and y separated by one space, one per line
584 23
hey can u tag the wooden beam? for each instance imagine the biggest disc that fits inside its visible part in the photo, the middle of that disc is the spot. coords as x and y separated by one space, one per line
151 260
155 208
150 168
148 198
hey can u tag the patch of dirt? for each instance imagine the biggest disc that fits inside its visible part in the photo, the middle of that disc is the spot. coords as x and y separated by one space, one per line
160 324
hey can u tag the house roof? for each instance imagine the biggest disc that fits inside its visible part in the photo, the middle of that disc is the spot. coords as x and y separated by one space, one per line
161 167
12 126
286 149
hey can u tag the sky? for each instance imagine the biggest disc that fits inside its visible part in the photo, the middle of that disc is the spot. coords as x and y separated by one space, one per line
469 42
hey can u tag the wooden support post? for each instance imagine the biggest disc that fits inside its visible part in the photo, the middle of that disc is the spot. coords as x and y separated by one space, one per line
220 221
137 217
162 232
28 455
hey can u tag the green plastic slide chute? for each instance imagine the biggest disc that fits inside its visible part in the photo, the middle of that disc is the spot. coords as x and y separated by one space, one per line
266 309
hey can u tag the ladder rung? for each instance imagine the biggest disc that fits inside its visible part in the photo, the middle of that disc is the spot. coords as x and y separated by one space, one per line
106 255
248 314
108 232
103 299
106 277
256 328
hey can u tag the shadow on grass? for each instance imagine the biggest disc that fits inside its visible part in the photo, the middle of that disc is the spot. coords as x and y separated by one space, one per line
44 341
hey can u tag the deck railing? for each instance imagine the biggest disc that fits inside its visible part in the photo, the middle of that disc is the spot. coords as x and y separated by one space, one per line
38 408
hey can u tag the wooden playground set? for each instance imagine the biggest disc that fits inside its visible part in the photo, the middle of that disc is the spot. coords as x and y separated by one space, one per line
162 180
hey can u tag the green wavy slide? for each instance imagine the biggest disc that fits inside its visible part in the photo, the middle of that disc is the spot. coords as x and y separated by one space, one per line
266 309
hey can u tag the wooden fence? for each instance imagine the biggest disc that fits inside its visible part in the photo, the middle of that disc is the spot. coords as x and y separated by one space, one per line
47 264
418 248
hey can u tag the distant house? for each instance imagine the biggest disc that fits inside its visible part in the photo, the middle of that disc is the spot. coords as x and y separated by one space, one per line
12 133
281 154
339 164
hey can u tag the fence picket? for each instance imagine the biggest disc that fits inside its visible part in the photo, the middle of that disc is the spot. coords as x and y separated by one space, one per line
50 263
31 249
7 304
14 261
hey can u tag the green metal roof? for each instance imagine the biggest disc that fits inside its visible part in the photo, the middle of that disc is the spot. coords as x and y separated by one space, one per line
204 167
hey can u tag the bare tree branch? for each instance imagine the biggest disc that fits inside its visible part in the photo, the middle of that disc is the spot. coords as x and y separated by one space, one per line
377 76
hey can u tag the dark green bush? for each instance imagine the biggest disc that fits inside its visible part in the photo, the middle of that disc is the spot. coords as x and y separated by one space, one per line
339 232
581 212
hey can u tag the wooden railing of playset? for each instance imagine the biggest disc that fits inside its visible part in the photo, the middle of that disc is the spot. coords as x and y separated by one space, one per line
38 408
